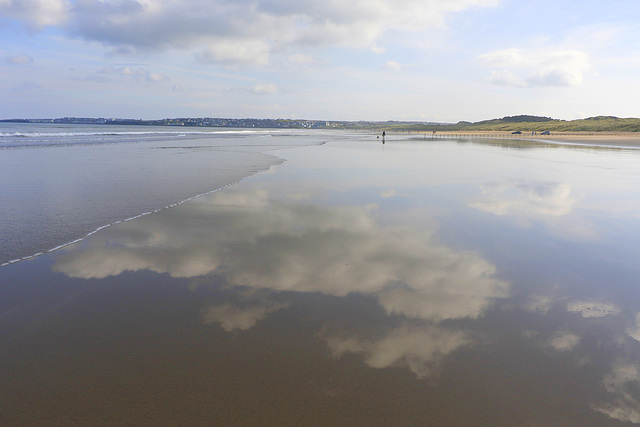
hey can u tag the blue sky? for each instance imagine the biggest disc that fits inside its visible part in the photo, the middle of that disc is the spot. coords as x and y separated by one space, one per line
427 60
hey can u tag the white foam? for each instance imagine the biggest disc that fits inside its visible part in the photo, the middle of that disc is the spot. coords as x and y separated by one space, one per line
128 133
64 245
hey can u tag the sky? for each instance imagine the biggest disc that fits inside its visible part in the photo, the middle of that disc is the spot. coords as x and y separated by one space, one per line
411 60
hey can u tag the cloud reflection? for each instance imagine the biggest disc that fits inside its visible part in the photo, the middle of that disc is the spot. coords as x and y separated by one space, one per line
255 242
623 384
634 331
262 243
418 348
527 202
231 317
528 199
539 303
564 341
592 308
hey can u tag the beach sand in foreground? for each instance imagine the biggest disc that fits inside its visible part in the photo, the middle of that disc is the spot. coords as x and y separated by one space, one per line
454 282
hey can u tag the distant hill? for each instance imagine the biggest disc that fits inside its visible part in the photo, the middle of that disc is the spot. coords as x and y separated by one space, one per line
540 124
516 119
525 123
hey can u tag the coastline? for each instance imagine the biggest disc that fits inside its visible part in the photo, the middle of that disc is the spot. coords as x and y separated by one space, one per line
111 176
608 139
79 239
631 140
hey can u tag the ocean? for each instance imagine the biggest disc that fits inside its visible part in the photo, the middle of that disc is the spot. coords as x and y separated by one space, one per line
61 182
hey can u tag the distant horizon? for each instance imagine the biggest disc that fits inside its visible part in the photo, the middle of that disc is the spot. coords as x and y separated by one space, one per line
15 119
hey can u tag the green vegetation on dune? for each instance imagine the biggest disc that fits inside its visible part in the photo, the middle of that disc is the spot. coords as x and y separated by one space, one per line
592 124
535 124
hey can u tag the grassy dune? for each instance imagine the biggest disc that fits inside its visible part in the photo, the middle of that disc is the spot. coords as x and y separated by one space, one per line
533 123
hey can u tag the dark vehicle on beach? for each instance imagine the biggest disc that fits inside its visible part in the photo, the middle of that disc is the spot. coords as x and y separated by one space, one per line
516 132
546 132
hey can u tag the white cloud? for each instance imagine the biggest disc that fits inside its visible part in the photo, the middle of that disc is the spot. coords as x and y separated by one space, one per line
37 14
506 78
418 348
521 68
503 58
19 59
592 308
265 89
396 66
237 31
301 59
155 77
236 52
553 75
378 49
109 74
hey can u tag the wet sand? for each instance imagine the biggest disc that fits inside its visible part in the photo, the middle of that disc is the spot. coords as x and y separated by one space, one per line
614 139
357 283
631 140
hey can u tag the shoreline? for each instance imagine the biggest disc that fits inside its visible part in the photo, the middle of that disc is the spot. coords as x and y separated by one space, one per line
80 239
608 139
257 158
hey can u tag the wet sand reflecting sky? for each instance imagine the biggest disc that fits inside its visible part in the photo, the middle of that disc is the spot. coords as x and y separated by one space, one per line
415 283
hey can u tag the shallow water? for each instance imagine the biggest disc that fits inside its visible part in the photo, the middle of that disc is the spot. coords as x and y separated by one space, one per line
61 182
415 283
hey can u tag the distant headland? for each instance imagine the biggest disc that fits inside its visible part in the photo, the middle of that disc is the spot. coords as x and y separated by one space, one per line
509 123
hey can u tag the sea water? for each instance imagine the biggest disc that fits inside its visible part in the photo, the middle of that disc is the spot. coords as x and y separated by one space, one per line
60 182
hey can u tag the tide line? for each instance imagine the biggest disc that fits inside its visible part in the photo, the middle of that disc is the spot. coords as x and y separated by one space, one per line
64 245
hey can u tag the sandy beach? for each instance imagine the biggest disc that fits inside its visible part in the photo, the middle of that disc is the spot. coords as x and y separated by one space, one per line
446 282
613 139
